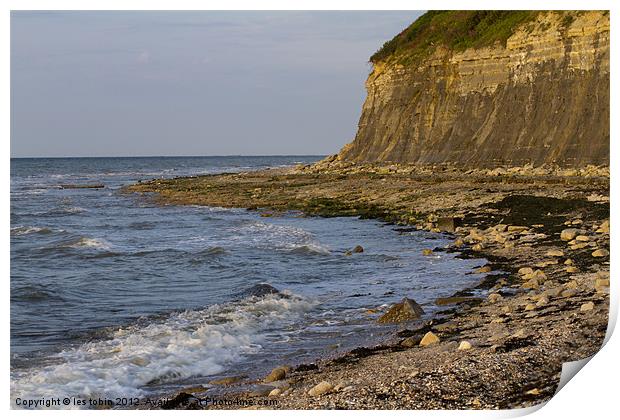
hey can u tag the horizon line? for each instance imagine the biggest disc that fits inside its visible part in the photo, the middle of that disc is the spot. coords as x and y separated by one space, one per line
162 156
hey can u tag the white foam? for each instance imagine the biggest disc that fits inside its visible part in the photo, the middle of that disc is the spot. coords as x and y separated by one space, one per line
274 236
25 230
192 343
91 243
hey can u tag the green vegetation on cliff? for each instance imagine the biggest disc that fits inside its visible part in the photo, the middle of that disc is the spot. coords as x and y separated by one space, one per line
456 30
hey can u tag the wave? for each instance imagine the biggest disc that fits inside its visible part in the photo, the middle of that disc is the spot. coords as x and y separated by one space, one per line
33 293
311 249
188 344
279 237
85 242
26 230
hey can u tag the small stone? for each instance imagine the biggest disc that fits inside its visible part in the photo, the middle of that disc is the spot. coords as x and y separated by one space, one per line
476 402
530 307
516 228
229 380
587 307
428 339
358 249
494 297
277 374
568 293
554 292
571 284
555 253
458 243
340 386
568 262
427 252
582 238
600 253
464 345
409 342
525 270
568 234
601 283
477 247
542 301
320 389
604 228
275 392
484 269
534 391
531 284
571 269
580 245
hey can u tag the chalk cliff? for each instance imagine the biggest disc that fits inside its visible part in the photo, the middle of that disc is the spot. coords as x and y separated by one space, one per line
539 96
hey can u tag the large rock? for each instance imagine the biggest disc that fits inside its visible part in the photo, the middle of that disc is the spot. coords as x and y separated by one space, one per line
448 224
568 234
600 253
406 310
320 389
277 374
428 339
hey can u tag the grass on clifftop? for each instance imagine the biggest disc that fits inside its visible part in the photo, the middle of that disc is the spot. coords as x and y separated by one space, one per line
456 30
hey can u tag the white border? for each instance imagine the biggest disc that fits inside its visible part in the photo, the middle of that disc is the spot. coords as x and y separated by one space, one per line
592 394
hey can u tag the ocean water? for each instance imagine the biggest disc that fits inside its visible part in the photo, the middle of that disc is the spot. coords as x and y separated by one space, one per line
113 296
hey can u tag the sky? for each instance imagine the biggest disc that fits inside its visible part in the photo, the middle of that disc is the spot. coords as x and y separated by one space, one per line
180 83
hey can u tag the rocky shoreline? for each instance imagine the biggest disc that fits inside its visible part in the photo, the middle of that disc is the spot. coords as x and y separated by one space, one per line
543 231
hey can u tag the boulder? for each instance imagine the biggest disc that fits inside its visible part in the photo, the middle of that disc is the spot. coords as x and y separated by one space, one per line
568 234
531 284
517 228
320 389
428 339
447 224
604 228
410 341
555 253
406 310
544 300
600 253
277 374
260 289
464 345
494 297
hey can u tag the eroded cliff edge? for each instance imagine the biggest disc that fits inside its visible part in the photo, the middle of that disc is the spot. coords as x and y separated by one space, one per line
541 97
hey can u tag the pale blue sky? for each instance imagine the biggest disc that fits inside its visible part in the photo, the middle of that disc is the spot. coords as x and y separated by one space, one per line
190 83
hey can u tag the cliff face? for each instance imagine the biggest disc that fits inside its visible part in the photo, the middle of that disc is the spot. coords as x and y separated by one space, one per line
543 98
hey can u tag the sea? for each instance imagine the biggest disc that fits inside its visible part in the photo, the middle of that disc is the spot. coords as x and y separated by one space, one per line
114 296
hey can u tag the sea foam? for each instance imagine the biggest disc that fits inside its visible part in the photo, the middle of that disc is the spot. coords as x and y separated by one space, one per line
188 344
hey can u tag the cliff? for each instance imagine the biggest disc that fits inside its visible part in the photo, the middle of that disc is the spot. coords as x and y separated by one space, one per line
503 88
